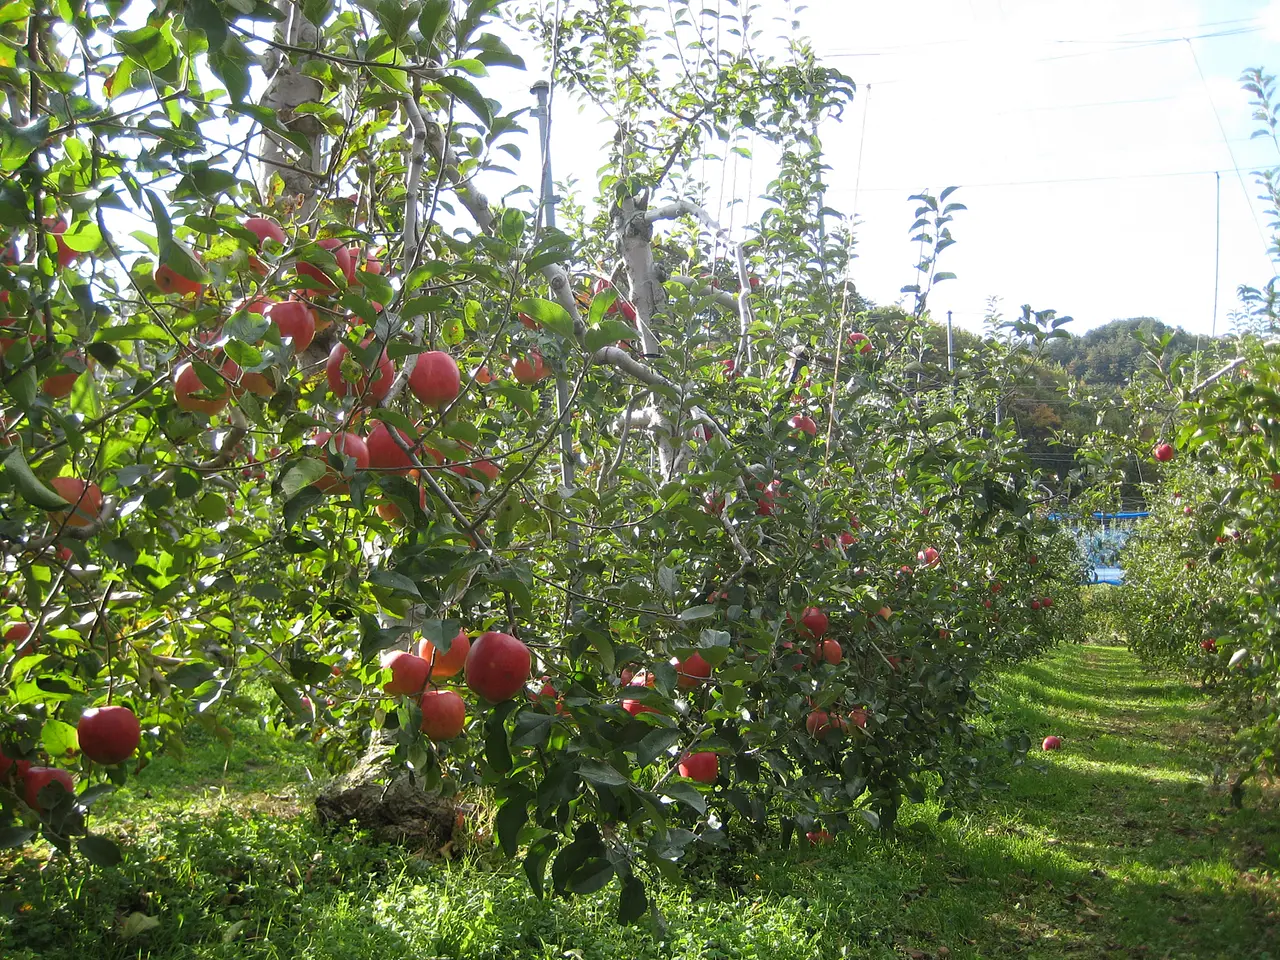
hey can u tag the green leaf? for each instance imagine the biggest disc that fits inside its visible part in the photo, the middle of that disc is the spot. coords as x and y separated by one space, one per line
602 774
99 851
433 17
189 676
18 143
633 902
594 874
548 313
698 613
302 474
148 46
609 332
83 236
244 354
394 581
466 91
687 794
204 15
535 863
59 739
512 815
25 482
14 837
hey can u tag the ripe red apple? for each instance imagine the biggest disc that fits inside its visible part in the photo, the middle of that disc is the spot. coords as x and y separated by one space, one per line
703 767
1033 560
264 229
446 664
1210 645
58 385
444 714
56 227
109 735
19 768
813 623
858 717
348 445
408 673
847 540
498 666
314 280
1051 743
483 376
818 837
187 383
531 369
805 424
293 319
384 452
85 499
256 383
18 634
766 506
692 671
830 651
1046 602
37 778
383 376
435 380
487 467
1035 604
884 613
1275 481
1164 452
928 556
996 586
819 722
635 707
1188 510
171 281
860 343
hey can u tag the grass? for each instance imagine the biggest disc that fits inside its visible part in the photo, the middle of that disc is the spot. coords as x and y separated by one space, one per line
1119 845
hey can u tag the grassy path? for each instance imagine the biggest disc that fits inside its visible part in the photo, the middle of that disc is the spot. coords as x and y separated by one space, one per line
1119 845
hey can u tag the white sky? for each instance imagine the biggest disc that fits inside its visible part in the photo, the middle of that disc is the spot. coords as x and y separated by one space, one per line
1000 96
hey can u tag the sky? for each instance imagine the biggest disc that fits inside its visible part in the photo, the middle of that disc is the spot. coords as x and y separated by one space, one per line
1084 138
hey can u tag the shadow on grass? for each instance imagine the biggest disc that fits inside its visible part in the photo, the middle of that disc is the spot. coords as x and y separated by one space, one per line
1117 845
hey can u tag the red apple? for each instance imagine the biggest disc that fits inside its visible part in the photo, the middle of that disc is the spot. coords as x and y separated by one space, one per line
830 651
384 453
1051 743
498 666
18 634
692 671
487 467
408 673
858 717
804 424
813 623
884 613
264 229
293 319
443 714
56 227
766 506
109 735
928 556
1035 604
370 393
1275 481
860 343
1164 452
818 837
58 385
819 722
19 768
1046 602
187 383
171 281
348 445
531 369
1210 645
313 278
85 499
449 664
435 379
703 767
38 778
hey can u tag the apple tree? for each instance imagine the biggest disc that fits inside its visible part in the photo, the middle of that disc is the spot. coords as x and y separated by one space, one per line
659 534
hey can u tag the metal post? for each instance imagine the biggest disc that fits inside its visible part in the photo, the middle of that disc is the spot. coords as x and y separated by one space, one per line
951 347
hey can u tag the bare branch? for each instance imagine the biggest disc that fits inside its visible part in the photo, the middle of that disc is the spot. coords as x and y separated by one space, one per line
681 208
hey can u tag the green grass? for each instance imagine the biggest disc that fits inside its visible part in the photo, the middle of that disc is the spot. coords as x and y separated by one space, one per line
1119 845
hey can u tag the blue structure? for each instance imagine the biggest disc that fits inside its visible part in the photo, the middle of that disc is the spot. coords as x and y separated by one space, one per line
1102 546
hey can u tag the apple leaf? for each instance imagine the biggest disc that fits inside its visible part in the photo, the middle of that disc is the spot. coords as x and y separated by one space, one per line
31 489
302 474
633 902
512 815
99 851
602 774
698 613
687 794
59 739
548 313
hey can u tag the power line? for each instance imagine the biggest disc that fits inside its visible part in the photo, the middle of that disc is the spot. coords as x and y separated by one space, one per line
1034 183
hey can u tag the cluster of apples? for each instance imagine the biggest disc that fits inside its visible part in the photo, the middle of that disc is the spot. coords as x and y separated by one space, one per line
691 673
496 667
107 735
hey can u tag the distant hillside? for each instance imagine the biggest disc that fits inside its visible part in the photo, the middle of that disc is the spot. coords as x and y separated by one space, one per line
1108 355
